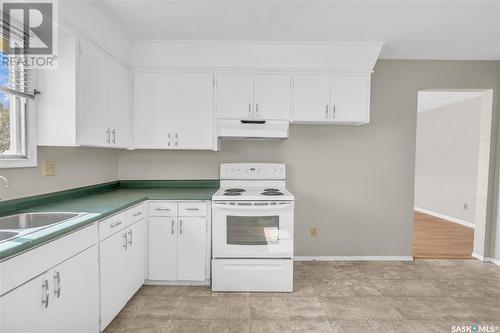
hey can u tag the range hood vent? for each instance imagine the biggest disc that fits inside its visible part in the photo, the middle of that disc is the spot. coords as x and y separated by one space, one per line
252 129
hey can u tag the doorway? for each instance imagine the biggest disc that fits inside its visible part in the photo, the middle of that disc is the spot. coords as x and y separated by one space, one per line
451 173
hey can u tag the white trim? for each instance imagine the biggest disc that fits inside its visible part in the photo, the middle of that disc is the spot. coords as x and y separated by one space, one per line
176 283
445 217
353 258
486 259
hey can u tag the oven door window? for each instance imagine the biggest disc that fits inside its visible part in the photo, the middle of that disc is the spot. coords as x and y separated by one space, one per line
252 230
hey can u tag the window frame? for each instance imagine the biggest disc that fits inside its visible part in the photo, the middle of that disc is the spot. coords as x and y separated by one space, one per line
30 159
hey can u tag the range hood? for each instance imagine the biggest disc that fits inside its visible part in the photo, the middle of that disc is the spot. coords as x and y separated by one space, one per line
252 129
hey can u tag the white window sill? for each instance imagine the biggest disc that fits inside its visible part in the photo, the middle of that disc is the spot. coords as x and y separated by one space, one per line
18 163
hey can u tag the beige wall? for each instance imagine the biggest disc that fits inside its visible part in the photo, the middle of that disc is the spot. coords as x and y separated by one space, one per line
355 183
447 159
75 167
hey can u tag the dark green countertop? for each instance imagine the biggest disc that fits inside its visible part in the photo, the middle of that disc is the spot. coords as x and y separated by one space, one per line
108 199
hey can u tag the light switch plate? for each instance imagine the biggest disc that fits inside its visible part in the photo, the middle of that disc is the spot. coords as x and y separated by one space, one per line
49 168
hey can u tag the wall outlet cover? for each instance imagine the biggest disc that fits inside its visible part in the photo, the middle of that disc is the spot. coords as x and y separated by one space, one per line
49 168
314 231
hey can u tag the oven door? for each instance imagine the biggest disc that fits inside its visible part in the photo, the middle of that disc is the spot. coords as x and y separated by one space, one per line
260 229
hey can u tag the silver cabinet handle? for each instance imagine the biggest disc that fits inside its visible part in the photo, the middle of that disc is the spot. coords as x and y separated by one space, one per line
326 111
126 242
130 240
180 227
137 214
57 284
45 293
173 226
113 225
249 110
176 139
161 209
195 209
169 139
113 133
108 138
256 110
333 113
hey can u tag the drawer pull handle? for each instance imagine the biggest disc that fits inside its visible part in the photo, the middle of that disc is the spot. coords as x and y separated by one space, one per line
165 209
45 293
195 209
137 214
116 224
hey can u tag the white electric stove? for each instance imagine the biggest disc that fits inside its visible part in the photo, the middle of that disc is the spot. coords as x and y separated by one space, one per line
252 229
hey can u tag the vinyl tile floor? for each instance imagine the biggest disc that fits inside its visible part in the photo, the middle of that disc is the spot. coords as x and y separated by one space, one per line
421 296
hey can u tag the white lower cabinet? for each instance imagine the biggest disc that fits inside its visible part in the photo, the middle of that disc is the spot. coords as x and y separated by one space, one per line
62 299
191 248
179 241
122 258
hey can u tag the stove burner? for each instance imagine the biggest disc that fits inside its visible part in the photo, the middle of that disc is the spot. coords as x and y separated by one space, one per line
271 190
231 193
235 190
272 193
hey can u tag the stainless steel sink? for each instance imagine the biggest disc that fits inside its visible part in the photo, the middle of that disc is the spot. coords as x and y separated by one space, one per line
33 220
6 235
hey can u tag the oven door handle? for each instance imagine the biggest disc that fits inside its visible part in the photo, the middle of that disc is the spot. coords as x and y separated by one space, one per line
252 207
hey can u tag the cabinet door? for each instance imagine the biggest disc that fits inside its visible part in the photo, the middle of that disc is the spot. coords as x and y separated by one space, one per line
136 255
193 111
235 96
272 96
93 96
153 110
119 110
311 96
113 274
75 293
350 98
192 248
163 248
22 310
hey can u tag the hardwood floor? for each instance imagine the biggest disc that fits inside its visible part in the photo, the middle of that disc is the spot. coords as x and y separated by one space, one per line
435 238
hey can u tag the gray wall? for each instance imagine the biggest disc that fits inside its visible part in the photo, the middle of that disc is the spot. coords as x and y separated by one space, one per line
355 183
75 167
447 159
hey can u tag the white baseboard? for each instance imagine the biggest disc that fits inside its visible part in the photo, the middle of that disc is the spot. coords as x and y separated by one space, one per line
445 217
486 259
176 283
353 258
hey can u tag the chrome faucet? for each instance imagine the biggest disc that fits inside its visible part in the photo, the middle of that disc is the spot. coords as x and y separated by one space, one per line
6 181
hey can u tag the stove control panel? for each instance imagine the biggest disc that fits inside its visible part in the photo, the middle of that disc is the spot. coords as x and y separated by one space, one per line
252 171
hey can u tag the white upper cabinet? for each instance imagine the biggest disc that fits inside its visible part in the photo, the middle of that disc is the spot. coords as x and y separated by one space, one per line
193 111
263 96
153 110
336 98
272 96
311 98
350 99
235 96
85 101
94 96
173 110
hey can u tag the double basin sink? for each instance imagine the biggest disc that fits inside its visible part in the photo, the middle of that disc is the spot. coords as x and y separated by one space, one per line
18 225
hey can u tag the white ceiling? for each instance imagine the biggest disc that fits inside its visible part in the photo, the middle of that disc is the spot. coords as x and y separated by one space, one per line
412 29
431 100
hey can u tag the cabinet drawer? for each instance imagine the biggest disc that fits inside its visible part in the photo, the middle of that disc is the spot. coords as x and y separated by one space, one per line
192 209
111 225
136 213
162 209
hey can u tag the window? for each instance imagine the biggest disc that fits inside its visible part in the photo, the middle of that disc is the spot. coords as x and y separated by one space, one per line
17 141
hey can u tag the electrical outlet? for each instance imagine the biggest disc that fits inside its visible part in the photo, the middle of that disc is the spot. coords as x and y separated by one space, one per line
466 206
49 168
314 231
